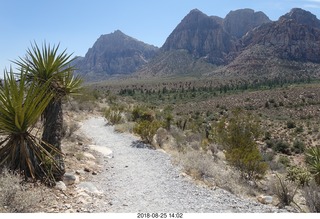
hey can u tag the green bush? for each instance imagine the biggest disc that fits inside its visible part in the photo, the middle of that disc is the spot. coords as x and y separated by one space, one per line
313 162
298 174
298 147
237 135
147 129
282 147
142 113
291 124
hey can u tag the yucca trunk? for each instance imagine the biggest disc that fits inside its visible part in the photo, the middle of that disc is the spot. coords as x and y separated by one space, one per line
52 132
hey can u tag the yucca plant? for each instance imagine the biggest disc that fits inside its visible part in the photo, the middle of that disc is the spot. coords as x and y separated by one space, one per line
47 66
313 162
21 105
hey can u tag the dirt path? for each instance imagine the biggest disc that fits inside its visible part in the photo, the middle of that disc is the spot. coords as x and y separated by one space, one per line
144 180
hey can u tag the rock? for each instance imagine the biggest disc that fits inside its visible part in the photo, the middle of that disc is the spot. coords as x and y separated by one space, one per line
88 155
69 179
89 187
265 199
107 152
86 169
61 186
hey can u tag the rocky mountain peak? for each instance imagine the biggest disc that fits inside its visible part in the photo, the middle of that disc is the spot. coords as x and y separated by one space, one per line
303 17
115 53
202 36
239 22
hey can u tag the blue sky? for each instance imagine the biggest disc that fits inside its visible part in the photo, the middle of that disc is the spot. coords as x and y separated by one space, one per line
76 24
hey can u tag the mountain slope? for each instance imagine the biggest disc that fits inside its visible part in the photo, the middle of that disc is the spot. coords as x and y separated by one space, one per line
114 54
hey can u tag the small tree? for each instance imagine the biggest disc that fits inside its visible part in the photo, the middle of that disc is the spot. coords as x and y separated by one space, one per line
47 66
21 105
237 135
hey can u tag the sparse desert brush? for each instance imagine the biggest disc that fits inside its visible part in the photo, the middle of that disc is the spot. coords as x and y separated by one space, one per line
16 197
113 115
312 196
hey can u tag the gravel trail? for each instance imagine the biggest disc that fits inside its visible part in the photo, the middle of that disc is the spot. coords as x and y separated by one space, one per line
144 180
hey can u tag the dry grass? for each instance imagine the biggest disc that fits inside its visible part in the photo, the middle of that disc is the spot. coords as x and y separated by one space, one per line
19 197
213 171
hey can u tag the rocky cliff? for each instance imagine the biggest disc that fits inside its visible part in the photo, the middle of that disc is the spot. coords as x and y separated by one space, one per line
238 23
115 53
295 36
202 36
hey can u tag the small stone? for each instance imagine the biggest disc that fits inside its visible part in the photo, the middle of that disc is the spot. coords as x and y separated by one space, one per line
88 155
69 178
265 199
61 186
86 169
94 173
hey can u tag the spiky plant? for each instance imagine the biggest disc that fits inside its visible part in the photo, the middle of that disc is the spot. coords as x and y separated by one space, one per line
21 105
47 66
313 162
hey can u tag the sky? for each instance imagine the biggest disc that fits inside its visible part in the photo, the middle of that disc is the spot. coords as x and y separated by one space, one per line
77 24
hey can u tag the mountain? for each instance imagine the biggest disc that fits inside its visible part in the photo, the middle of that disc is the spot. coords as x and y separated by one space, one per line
210 41
244 44
114 54
238 23
202 36
287 48
295 36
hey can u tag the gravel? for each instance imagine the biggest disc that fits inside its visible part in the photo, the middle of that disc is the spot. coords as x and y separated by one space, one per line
138 179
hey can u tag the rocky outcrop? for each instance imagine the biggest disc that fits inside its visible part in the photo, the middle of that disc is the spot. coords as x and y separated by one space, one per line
203 37
238 23
295 37
115 53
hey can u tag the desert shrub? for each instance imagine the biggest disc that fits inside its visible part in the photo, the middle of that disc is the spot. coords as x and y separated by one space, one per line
299 129
291 124
237 135
298 147
313 161
299 175
147 129
113 115
312 196
142 113
284 160
16 197
197 164
282 147
285 191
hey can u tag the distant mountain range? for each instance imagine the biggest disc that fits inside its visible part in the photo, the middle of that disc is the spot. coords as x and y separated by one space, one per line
243 44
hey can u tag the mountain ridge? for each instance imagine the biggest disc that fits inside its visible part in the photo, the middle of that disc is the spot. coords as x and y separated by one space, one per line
202 44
